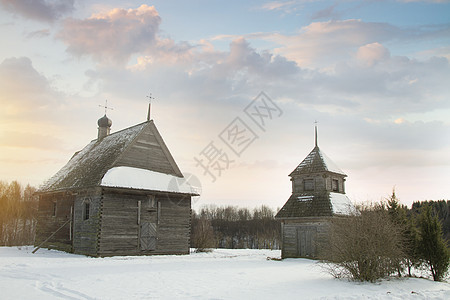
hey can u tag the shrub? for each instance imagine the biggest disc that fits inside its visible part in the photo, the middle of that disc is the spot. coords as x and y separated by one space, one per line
203 235
364 247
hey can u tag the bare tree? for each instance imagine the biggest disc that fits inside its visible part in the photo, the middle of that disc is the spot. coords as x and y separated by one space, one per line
203 235
18 209
236 227
364 247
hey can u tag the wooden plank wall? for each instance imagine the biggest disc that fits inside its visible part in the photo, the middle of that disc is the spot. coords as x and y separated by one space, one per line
174 224
322 182
48 223
120 230
146 153
290 235
341 183
86 231
319 182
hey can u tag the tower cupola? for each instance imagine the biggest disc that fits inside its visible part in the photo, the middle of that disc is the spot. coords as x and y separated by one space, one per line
104 127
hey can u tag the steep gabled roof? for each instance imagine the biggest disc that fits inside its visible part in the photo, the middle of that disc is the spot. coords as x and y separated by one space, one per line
87 167
317 162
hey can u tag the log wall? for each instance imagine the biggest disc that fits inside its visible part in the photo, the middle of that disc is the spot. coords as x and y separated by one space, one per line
174 224
119 230
55 210
112 226
86 230
322 182
119 225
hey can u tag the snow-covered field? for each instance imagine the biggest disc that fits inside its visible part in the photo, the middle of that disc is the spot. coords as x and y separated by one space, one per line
222 274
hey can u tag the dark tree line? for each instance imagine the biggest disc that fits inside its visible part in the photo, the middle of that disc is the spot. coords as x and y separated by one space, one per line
441 209
18 211
232 227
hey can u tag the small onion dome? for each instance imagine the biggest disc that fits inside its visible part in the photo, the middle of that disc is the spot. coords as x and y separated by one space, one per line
104 122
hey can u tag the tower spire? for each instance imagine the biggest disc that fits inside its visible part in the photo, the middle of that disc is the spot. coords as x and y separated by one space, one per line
149 105
315 133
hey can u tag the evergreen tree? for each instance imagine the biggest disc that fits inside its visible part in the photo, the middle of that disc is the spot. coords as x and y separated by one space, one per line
432 247
397 214
411 241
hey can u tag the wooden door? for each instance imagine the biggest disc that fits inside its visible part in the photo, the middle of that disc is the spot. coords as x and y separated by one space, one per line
148 236
147 220
306 241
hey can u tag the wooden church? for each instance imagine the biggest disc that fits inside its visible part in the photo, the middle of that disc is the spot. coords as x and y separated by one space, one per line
318 194
123 194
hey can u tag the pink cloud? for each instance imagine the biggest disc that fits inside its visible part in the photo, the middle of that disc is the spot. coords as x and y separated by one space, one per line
371 53
277 5
114 35
320 42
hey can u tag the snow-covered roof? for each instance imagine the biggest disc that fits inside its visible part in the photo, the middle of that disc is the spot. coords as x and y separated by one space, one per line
329 164
137 147
341 204
127 177
316 204
305 198
315 162
87 167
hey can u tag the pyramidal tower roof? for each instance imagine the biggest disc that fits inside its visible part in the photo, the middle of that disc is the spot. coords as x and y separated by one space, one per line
316 162
318 189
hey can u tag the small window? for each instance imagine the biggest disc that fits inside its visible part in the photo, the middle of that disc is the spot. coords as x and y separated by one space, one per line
158 213
54 209
87 208
297 185
308 185
151 201
335 185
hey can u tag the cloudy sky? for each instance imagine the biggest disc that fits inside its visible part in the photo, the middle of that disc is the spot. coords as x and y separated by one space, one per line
374 74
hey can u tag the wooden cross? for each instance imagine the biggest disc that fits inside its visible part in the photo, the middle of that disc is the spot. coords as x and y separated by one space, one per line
150 98
106 106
